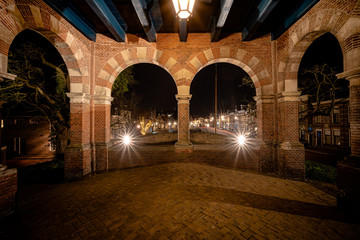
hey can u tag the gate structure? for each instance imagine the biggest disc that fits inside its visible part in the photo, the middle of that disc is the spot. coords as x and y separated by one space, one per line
272 65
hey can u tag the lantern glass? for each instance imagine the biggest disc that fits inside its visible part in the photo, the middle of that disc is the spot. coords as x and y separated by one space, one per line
183 14
183 8
176 6
191 5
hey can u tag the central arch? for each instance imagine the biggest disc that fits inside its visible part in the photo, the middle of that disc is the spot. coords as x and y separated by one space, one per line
252 65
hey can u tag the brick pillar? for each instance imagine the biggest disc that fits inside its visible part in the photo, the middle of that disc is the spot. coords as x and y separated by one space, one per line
354 118
183 119
348 171
265 132
78 153
102 131
290 152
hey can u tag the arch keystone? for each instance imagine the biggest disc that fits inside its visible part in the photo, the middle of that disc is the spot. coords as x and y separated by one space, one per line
209 54
141 52
35 11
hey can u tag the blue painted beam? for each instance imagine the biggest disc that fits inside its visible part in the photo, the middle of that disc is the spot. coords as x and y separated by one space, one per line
116 14
145 20
220 22
69 13
155 15
264 9
102 10
300 11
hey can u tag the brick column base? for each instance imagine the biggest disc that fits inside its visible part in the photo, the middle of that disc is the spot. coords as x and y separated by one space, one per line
265 133
291 160
102 157
183 143
77 162
266 158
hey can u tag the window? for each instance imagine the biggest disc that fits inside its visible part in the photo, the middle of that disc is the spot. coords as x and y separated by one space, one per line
327 134
337 137
336 116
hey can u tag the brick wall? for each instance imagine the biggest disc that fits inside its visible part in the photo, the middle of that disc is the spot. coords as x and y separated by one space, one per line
34 132
220 155
355 120
195 138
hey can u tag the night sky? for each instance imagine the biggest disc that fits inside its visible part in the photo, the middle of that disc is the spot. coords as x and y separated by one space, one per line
230 94
325 49
156 88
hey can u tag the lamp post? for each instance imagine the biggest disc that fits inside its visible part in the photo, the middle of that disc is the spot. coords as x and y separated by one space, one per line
183 9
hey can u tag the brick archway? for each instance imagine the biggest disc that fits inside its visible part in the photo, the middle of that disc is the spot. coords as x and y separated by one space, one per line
23 16
67 41
238 57
115 65
291 155
102 94
301 37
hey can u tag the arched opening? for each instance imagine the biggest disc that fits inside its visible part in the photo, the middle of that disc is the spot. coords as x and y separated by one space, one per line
236 109
323 107
144 107
36 112
223 115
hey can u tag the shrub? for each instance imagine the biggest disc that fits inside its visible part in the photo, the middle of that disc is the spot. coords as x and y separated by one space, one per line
320 172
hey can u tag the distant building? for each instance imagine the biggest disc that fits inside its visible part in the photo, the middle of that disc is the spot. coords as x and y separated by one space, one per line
119 122
332 130
242 120
26 135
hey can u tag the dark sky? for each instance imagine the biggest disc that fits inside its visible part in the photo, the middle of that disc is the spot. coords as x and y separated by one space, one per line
156 88
230 94
325 49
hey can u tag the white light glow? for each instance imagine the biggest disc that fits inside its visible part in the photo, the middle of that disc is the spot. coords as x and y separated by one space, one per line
191 5
138 126
183 8
176 6
241 140
183 4
183 14
127 140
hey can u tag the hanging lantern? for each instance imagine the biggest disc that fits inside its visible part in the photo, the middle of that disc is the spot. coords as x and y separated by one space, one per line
183 8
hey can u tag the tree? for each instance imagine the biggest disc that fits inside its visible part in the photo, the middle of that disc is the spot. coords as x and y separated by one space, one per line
249 102
40 88
124 102
321 84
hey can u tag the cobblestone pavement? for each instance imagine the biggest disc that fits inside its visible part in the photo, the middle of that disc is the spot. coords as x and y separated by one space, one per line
178 201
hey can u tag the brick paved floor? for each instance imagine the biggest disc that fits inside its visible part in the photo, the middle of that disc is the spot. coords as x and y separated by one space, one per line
178 201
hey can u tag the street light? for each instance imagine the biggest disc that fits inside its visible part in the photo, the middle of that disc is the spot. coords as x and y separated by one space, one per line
241 140
127 140
183 8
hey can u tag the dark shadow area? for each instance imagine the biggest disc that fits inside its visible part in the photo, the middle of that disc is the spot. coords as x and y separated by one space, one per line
258 201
